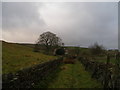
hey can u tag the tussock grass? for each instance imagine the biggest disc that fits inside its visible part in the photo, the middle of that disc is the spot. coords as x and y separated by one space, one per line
16 57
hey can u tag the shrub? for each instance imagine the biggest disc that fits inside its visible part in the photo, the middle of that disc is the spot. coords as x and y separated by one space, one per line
60 51
97 49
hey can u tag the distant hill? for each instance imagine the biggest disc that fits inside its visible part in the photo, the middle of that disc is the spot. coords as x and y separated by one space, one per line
24 44
27 44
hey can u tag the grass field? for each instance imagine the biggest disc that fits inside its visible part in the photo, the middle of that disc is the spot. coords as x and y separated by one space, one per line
85 52
16 57
72 76
103 59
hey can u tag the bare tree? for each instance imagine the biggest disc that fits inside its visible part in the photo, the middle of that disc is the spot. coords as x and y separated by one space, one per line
97 49
48 40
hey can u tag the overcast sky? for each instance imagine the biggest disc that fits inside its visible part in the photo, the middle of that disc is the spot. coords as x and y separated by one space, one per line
77 23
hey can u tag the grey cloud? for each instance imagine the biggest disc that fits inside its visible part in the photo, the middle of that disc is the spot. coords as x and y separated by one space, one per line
100 25
76 23
20 14
0 20
0 15
119 25
21 21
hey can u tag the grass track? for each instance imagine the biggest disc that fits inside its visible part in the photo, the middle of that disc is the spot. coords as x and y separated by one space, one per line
71 76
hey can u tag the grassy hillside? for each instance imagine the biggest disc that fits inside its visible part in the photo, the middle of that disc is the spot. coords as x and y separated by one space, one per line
27 45
16 57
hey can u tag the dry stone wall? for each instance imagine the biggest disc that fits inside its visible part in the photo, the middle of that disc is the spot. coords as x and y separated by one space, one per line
105 73
26 78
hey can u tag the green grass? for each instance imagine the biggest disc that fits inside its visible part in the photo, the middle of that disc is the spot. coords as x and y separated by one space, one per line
72 76
103 59
16 57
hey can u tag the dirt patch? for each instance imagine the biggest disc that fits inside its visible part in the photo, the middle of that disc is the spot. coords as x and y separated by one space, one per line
69 61
63 67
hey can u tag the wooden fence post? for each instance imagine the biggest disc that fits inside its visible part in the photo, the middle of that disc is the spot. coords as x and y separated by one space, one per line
117 70
118 59
106 81
108 59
